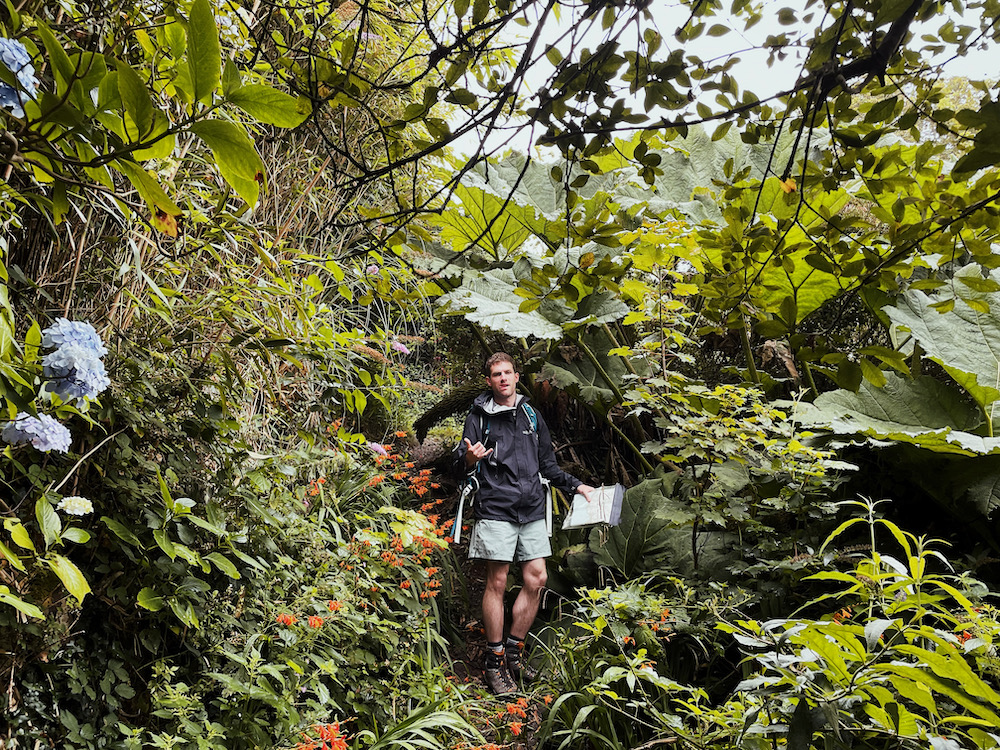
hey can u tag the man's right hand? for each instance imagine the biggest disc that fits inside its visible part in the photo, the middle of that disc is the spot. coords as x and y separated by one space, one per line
473 453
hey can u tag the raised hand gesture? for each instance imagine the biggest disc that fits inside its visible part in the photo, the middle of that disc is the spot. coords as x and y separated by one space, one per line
473 453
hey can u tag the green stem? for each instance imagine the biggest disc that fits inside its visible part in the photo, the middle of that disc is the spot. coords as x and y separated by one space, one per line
748 352
810 378
616 345
642 459
619 396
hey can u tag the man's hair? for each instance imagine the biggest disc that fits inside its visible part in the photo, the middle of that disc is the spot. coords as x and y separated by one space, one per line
497 357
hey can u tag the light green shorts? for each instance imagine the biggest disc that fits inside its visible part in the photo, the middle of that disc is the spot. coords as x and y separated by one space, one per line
504 541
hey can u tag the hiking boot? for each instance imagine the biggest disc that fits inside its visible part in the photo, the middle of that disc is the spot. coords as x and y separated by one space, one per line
519 667
499 681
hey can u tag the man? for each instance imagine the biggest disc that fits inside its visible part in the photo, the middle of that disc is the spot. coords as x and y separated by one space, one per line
506 445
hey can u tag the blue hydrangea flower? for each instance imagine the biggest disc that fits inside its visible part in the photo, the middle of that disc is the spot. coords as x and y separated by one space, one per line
75 372
14 57
43 432
65 331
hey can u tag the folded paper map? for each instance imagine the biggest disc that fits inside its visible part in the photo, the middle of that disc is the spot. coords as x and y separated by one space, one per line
604 506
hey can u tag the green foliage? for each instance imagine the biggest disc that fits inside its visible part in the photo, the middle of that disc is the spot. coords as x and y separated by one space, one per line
902 660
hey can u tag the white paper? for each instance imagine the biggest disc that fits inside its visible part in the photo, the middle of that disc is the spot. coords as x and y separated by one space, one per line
599 509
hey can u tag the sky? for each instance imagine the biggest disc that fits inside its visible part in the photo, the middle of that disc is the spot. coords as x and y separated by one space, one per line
752 72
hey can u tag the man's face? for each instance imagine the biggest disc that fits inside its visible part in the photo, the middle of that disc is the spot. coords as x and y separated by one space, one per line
503 381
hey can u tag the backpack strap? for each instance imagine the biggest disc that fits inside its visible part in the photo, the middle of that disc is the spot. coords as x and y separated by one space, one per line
468 493
532 417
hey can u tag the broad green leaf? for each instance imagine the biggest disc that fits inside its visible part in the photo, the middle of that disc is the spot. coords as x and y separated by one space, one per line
235 155
76 535
164 543
63 68
924 411
965 342
48 521
224 564
162 143
204 53
70 575
122 532
147 186
148 599
138 104
271 106
184 612
11 557
19 534
19 604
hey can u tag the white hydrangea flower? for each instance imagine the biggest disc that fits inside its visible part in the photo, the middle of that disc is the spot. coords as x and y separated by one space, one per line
76 505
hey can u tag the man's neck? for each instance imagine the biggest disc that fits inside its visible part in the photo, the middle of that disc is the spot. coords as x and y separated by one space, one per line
510 401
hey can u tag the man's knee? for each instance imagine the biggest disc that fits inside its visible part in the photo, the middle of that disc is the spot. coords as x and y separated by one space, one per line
535 576
496 576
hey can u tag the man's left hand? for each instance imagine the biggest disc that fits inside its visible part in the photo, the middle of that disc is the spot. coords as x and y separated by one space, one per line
585 490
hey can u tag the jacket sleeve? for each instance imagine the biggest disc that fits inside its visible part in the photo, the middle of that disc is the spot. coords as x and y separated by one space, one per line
471 432
547 462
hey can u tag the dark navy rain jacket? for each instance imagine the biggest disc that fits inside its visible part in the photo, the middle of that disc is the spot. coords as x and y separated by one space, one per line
509 484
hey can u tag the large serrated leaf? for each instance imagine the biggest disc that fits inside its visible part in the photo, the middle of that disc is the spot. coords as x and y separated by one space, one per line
571 370
966 342
924 412
492 303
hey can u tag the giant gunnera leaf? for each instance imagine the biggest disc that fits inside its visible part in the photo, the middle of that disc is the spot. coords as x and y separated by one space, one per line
923 411
965 341
491 302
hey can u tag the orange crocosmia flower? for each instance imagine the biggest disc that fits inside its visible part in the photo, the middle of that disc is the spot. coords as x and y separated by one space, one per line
628 639
331 735
547 699
334 605
400 433
516 727
405 585
409 464
286 619
315 621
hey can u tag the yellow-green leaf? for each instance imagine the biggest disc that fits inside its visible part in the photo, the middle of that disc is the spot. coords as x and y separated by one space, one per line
234 152
271 106
204 53
71 576
48 521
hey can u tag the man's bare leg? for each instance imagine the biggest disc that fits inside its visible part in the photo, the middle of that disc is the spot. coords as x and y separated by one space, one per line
526 604
496 585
